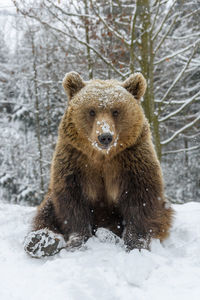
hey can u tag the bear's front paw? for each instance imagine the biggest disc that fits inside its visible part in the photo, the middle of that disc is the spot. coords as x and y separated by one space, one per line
75 241
106 236
135 241
43 242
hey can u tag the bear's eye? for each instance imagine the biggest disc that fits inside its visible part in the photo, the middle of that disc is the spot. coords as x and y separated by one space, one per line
115 113
92 113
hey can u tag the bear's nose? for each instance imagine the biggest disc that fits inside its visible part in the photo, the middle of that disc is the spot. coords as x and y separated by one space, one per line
105 139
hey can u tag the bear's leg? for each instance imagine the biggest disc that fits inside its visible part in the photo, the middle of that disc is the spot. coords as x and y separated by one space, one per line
72 210
46 217
135 237
161 224
74 220
142 224
45 239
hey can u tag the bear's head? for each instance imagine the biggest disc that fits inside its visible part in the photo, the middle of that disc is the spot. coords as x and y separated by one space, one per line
103 117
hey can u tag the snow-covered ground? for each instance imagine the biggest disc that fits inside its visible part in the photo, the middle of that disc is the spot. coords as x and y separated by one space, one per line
103 271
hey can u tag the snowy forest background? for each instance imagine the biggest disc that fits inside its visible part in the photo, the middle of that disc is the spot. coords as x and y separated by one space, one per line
104 39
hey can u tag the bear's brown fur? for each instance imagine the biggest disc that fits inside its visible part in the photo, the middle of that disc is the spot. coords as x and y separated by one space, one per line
117 186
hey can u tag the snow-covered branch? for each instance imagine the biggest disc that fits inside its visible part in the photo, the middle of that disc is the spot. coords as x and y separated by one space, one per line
191 14
164 20
177 52
156 14
74 37
189 101
179 75
166 34
185 37
69 13
182 150
114 31
191 124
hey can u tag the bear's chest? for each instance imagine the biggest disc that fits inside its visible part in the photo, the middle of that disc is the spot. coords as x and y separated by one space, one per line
103 185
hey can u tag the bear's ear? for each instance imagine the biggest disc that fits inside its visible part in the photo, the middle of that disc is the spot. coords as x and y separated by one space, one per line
136 85
72 84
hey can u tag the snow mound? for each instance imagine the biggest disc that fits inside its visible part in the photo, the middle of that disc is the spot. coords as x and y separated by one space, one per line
104 270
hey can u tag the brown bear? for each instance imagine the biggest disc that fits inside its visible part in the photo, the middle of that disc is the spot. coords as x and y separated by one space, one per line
105 172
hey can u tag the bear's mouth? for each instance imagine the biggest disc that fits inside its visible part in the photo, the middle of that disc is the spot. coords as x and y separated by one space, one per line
105 148
100 147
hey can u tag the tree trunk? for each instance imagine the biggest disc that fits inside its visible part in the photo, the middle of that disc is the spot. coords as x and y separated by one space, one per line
147 62
86 21
37 114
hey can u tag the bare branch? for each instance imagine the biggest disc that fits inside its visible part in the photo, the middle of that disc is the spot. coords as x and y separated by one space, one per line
70 14
185 37
114 32
164 20
190 14
73 37
176 53
156 14
189 101
191 124
179 75
181 150
166 34
132 54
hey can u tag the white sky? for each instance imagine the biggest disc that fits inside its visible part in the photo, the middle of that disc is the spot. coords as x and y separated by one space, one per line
6 23
5 3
